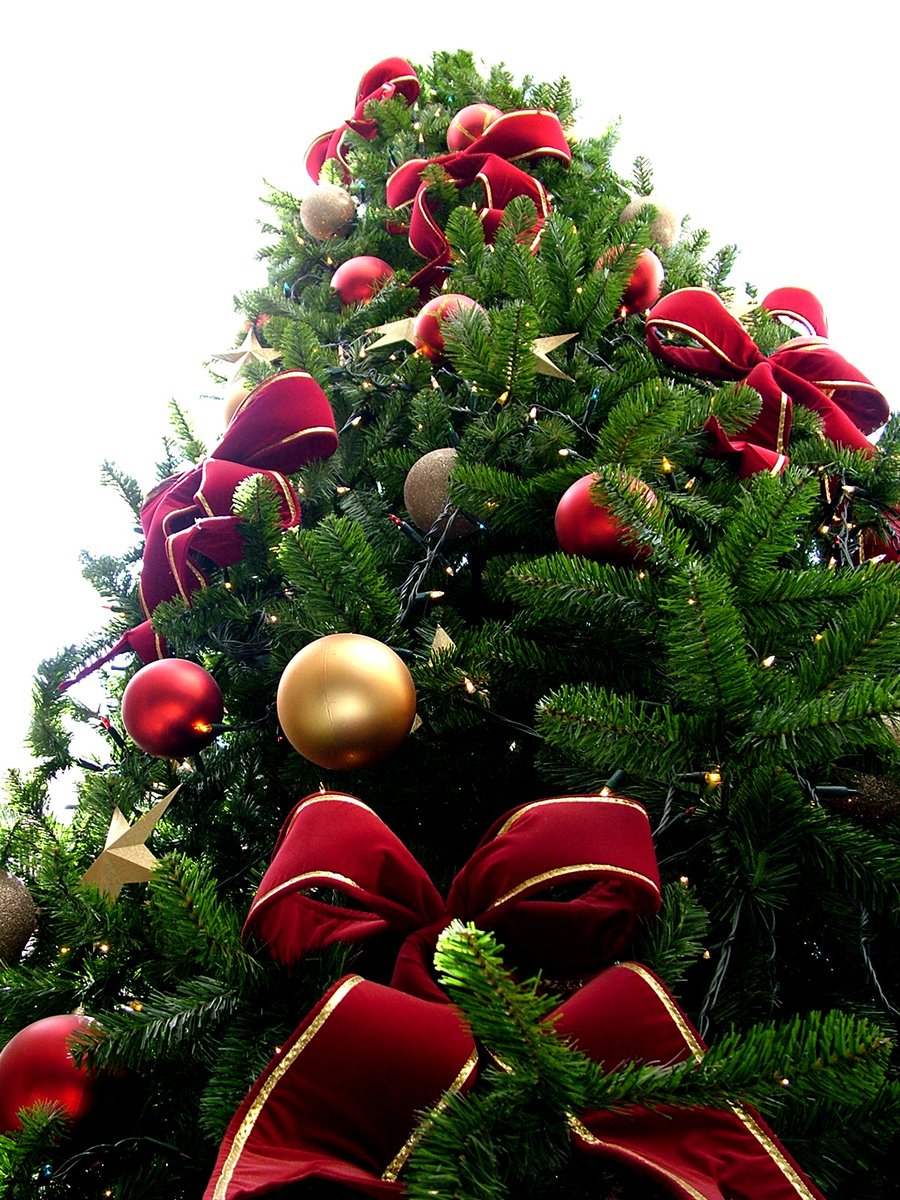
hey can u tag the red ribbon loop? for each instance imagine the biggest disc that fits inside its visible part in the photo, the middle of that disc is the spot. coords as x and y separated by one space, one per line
187 519
388 78
342 1100
336 842
805 370
523 135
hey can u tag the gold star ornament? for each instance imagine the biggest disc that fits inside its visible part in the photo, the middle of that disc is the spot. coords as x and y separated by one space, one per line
251 349
125 858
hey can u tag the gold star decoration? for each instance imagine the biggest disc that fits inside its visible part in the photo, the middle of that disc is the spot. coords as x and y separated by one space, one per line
393 332
542 346
251 349
125 858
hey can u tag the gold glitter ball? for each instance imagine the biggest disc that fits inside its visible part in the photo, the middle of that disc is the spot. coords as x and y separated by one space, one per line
426 492
17 918
663 227
327 212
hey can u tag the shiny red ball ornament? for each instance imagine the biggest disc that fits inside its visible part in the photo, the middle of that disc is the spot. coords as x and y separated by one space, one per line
586 528
358 279
427 334
469 124
645 284
171 706
37 1065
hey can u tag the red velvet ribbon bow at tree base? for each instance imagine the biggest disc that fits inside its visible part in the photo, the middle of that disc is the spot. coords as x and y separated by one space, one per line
281 426
805 370
388 78
335 841
513 137
342 1100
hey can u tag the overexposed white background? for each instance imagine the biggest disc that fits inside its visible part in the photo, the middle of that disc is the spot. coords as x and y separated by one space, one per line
135 145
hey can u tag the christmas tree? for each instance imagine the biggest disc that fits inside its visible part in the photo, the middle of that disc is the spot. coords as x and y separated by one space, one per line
509 701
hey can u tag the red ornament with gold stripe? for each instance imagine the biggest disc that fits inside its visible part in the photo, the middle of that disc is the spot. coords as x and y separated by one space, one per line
469 124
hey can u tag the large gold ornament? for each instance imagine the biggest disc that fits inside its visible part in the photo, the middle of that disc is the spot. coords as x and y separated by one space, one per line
346 701
17 916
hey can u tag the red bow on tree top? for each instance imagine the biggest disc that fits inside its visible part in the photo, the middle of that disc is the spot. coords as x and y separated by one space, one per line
391 77
512 137
342 1099
187 520
805 370
335 841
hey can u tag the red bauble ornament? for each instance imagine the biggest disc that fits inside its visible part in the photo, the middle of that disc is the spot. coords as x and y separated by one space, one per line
644 286
358 279
469 124
645 283
170 707
427 325
37 1065
586 528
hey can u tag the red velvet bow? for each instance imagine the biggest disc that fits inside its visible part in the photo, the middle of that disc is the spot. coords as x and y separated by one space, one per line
335 841
281 426
806 370
514 136
342 1100
391 77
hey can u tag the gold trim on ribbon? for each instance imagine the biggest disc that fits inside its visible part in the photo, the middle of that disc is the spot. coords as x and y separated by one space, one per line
272 1080
674 1012
774 1152
782 418
666 323
575 868
332 875
618 800
397 1163
582 1131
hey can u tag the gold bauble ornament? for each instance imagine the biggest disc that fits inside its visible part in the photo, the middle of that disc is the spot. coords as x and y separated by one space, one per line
426 492
346 701
327 212
17 918
663 227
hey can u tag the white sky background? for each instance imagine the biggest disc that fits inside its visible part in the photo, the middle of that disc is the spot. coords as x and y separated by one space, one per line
136 143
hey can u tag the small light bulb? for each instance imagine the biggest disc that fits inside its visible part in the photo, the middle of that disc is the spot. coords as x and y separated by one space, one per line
470 686
666 466
768 661
683 880
578 291
604 791
272 618
228 586
435 595
341 490
65 949
103 947
785 1082
713 778
691 600
824 529
356 421
564 452
707 955
817 637
136 1005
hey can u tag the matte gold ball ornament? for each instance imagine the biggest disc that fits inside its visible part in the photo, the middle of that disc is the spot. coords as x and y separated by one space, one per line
346 701
327 212
426 492
17 918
